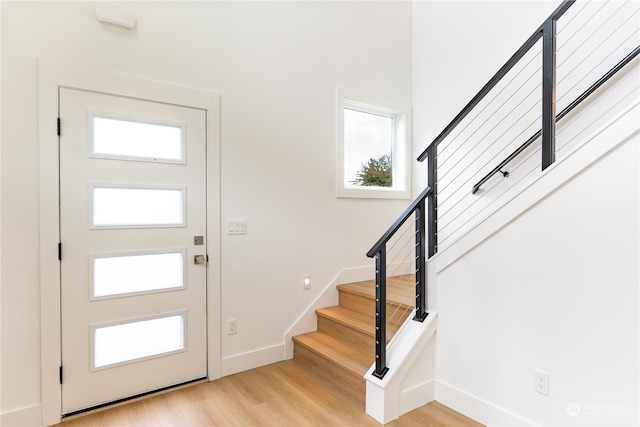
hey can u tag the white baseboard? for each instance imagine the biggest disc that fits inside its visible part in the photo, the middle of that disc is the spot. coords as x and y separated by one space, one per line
475 408
250 360
417 396
23 417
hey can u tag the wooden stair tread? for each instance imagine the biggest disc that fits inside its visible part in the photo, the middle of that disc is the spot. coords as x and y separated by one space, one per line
350 318
351 359
400 289
341 351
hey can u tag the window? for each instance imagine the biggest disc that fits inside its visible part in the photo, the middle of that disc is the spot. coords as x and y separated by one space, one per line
372 147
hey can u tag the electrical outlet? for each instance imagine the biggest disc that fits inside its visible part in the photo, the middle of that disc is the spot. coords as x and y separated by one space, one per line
541 382
232 326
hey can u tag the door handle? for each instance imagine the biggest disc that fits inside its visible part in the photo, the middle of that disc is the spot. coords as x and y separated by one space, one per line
199 259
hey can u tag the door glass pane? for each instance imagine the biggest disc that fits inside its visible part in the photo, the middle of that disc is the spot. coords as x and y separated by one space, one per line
126 274
126 342
121 138
115 207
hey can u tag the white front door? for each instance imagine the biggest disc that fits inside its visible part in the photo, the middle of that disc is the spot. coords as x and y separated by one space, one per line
133 239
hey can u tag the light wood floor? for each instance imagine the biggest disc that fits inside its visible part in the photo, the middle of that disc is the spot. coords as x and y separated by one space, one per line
281 394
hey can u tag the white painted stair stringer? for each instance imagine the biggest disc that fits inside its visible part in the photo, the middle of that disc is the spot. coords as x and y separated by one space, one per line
409 383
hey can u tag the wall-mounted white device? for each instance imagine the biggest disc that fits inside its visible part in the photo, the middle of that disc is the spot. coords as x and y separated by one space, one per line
111 13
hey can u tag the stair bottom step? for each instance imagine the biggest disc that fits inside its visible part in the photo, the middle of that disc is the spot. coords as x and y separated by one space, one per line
336 362
341 381
351 359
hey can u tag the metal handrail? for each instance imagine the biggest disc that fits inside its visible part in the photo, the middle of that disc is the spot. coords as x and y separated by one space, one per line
396 225
627 59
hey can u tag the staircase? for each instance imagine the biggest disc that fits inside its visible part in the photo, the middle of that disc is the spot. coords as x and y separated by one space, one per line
342 349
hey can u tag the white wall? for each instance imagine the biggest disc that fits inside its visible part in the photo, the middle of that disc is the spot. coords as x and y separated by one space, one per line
0 226
276 66
555 290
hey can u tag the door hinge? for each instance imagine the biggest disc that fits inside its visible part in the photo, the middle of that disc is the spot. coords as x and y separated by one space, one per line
60 374
207 257
59 251
58 125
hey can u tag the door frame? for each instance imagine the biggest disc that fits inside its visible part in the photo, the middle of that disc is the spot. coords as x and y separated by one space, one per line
53 75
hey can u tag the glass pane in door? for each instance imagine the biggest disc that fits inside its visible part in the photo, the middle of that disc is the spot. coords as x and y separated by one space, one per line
126 274
127 207
132 341
118 138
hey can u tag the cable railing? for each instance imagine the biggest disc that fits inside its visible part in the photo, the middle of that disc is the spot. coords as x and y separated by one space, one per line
555 67
501 132
379 252
401 274
559 117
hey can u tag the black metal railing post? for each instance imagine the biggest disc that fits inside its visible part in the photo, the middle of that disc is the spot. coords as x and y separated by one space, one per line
381 313
548 92
421 263
432 204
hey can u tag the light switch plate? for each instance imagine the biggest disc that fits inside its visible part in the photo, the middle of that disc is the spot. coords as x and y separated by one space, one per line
236 226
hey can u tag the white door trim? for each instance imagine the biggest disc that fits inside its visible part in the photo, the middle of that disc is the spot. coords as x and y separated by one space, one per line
55 74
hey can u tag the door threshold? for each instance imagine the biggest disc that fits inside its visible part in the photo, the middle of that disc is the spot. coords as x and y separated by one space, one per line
135 398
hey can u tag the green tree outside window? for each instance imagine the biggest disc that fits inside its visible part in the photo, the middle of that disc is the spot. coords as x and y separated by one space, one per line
376 172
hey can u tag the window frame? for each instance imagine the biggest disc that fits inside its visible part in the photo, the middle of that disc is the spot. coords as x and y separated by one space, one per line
400 150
